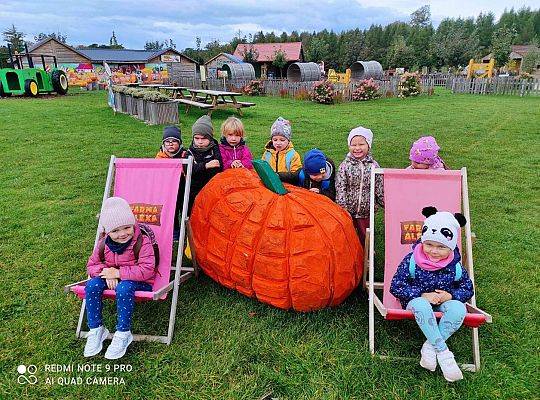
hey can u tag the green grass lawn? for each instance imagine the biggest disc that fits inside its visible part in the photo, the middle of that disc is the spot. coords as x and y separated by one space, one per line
55 153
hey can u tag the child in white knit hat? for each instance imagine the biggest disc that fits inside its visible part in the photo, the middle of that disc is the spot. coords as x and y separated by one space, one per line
353 181
123 261
431 278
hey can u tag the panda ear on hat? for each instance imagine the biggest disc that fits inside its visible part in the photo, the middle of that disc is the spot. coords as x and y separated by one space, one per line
460 219
428 211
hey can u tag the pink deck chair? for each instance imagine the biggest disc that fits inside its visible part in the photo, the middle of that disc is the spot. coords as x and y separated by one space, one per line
406 192
150 186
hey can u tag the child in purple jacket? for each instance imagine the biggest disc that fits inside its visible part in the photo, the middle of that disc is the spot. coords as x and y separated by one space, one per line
123 261
233 149
430 278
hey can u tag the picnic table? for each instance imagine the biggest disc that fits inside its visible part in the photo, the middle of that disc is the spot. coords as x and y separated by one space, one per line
153 86
177 91
213 100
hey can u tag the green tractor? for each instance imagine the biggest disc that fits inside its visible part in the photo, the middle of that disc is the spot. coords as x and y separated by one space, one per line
31 81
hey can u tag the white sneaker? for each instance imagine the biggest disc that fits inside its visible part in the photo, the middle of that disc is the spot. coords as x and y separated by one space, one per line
119 345
428 358
94 341
449 366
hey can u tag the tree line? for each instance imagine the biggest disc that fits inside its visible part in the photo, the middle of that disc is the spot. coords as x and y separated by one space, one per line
412 45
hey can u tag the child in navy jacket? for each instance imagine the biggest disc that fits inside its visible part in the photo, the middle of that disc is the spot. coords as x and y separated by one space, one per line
430 278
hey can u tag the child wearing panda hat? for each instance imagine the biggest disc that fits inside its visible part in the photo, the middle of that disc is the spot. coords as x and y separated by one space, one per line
431 278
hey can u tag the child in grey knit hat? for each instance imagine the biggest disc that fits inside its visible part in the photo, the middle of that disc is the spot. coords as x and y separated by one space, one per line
279 152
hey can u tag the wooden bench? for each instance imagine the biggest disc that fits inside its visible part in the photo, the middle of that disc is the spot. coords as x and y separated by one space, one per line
242 103
193 103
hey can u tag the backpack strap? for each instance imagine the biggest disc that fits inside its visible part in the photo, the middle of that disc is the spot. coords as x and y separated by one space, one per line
459 272
101 250
301 177
412 269
267 156
288 158
145 230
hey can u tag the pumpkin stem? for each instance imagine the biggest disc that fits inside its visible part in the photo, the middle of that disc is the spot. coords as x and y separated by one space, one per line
269 177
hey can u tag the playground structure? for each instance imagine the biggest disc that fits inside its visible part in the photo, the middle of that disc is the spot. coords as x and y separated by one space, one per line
31 81
303 72
366 69
335 77
480 70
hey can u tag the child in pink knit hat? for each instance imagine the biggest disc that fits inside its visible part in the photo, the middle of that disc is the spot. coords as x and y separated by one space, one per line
123 261
424 154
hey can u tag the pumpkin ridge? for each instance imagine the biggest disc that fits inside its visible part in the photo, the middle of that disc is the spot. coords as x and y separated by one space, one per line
333 216
287 244
332 264
257 240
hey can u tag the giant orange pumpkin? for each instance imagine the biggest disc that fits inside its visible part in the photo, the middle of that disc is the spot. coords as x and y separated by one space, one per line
298 250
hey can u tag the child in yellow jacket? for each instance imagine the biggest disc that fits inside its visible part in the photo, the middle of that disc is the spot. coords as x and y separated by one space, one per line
279 151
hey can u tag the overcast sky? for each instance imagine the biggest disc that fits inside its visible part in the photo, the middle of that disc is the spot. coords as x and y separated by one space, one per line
135 22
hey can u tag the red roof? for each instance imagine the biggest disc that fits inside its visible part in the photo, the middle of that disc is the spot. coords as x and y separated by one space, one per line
266 51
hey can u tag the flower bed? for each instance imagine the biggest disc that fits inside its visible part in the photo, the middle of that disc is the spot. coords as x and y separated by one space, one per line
323 92
367 89
409 85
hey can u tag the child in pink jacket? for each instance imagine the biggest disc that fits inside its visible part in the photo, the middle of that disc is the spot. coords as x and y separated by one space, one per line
233 149
122 261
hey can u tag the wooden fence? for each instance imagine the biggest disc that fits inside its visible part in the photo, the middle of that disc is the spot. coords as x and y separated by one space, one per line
301 90
495 86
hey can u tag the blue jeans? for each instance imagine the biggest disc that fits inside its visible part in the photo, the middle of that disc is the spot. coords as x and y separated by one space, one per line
125 301
453 315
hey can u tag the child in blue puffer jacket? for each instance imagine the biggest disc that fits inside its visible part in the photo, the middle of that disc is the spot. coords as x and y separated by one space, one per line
430 278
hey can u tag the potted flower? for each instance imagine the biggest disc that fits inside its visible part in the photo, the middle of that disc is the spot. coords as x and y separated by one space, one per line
161 110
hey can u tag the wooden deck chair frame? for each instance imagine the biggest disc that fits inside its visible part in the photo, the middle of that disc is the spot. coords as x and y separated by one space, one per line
369 269
181 273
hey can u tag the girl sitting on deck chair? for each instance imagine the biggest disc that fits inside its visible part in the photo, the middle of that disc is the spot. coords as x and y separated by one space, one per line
431 278
124 261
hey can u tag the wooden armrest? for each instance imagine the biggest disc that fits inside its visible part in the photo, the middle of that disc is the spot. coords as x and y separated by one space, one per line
475 310
165 289
67 287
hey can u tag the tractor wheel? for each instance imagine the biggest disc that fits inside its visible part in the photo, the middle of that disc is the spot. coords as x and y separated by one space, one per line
2 94
59 81
31 88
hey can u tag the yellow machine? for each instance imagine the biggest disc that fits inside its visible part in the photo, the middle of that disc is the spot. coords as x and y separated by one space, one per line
480 70
339 78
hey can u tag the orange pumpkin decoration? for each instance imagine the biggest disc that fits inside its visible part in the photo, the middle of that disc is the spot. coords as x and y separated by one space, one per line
298 250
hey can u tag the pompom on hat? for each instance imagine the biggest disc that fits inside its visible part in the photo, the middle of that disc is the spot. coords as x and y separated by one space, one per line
115 213
361 131
442 226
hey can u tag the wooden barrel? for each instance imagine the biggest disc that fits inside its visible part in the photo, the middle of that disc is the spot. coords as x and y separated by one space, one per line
303 72
366 70
239 70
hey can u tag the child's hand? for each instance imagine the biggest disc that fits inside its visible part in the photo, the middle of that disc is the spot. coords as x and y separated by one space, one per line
112 283
432 297
314 190
237 164
110 273
443 295
212 164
